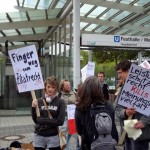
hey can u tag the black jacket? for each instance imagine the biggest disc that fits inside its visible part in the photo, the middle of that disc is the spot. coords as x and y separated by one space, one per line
45 126
80 124
105 91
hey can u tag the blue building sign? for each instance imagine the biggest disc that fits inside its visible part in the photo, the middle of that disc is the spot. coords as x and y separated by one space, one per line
116 38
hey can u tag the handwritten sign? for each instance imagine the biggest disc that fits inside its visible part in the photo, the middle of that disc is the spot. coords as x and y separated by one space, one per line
145 64
26 68
71 111
88 70
71 119
136 91
83 72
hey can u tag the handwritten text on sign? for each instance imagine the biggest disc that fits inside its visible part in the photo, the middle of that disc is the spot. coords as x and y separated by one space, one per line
26 68
136 91
71 111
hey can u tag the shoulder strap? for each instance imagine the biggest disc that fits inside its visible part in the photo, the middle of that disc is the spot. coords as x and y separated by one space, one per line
49 114
59 94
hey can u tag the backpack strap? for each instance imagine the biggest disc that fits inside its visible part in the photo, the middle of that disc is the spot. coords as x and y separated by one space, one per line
49 114
59 94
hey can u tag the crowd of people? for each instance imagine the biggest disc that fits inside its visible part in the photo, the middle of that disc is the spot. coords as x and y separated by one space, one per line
94 115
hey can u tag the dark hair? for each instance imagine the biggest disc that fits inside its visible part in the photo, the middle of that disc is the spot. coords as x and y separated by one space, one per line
52 81
90 93
101 72
124 65
15 144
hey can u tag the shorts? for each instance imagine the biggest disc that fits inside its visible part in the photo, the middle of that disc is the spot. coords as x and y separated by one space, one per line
46 142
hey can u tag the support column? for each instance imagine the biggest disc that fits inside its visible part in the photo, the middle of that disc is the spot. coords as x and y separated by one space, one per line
139 58
76 43
90 55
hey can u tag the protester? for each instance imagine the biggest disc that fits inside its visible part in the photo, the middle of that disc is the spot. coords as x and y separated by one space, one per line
119 85
123 113
101 77
91 100
69 97
46 128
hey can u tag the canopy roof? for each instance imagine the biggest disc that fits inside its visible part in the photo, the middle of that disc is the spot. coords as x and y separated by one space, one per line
35 19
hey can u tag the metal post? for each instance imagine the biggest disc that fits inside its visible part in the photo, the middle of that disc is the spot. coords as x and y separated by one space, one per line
76 43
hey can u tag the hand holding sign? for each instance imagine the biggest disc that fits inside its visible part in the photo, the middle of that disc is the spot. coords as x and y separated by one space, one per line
135 92
37 108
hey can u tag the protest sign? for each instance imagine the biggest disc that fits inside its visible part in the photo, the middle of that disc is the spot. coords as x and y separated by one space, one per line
88 70
26 68
135 92
145 64
83 73
71 119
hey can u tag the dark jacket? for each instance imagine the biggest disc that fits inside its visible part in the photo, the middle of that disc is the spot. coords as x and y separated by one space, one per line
80 124
105 91
44 125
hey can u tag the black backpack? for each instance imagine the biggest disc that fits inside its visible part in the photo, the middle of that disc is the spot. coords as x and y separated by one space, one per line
98 127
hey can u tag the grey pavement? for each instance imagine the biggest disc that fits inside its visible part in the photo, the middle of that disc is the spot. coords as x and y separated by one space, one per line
21 128
15 128
18 128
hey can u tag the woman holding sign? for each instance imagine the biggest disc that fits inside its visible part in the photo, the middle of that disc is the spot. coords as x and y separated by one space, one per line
52 111
123 113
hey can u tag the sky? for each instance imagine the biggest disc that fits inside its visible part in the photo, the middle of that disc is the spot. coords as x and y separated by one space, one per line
8 6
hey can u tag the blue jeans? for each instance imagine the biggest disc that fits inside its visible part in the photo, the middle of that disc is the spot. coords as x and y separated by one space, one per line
130 144
64 128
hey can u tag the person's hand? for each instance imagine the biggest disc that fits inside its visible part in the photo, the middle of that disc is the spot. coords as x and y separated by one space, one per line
130 111
138 125
34 103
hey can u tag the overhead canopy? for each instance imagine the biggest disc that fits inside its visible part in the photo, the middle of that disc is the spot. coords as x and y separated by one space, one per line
35 19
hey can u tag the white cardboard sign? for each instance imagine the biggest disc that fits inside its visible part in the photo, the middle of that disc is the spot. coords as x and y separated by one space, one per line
71 111
26 68
145 64
136 90
88 70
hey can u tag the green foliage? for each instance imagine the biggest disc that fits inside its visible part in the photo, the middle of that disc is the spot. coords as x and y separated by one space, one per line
102 55
108 68
84 60
146 54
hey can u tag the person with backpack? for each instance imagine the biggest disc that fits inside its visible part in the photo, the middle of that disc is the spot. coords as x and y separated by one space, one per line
70 97
95 117
123 113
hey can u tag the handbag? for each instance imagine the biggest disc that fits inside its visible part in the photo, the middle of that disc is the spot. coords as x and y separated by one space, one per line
62 136
27 146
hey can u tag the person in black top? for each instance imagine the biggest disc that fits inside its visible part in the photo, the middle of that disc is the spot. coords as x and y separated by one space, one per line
101 77
90 93
46 127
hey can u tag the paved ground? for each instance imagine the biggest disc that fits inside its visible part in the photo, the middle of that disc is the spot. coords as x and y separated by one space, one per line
21 128
18 128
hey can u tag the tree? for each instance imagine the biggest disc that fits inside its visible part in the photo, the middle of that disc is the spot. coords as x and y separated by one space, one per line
84 55
102 55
